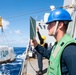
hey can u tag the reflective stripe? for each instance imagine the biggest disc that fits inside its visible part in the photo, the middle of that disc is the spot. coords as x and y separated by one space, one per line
56 51
54 67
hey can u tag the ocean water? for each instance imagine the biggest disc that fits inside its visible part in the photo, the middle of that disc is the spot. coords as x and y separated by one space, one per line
14 67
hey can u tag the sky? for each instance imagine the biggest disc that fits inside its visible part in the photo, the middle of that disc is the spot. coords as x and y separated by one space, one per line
16 19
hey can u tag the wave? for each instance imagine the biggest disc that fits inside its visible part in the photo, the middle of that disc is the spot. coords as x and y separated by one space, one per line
21 56
14 67
15 63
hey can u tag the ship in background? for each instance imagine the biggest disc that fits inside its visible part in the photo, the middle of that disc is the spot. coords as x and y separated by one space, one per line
6 52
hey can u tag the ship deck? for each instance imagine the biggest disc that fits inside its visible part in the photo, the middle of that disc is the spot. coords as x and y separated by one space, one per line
32 66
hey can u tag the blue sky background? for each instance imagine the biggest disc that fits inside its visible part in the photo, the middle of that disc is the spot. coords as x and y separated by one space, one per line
16 18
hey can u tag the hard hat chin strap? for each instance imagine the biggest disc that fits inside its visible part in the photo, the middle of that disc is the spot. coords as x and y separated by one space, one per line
56 25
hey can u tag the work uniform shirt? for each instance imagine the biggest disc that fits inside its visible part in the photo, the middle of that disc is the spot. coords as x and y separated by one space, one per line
68 58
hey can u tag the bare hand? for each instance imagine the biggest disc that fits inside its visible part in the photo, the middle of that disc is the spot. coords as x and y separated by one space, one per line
37 28
33 42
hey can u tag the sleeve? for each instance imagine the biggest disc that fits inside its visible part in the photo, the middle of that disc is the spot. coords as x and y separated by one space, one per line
43 51
46 45
69 57
40 38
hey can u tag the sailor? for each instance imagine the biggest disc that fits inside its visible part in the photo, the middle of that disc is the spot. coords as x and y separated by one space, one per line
62 56
39 56
50 46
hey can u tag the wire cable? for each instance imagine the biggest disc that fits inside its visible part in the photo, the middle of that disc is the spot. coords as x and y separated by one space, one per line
28 13
42 10
4 35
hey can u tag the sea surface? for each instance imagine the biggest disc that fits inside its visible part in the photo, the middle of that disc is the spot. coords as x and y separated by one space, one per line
14 67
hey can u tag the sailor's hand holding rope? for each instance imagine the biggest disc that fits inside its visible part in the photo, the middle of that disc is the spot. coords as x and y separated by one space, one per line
33 42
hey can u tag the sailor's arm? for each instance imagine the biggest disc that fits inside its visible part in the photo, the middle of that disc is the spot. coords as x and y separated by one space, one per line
39 36
43 51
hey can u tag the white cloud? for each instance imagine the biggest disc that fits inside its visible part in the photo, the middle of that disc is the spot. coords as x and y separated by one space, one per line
17 32
5 24
10 32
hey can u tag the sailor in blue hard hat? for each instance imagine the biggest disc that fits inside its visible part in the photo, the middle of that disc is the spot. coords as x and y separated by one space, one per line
62 56
58 15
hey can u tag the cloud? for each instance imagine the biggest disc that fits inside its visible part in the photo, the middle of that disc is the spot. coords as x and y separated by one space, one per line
10 32
17 32
5 24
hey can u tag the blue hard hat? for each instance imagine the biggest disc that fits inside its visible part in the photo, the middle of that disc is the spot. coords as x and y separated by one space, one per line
59 15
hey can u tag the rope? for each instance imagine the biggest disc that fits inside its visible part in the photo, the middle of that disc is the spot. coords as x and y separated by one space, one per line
42 10
3 34
32 66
